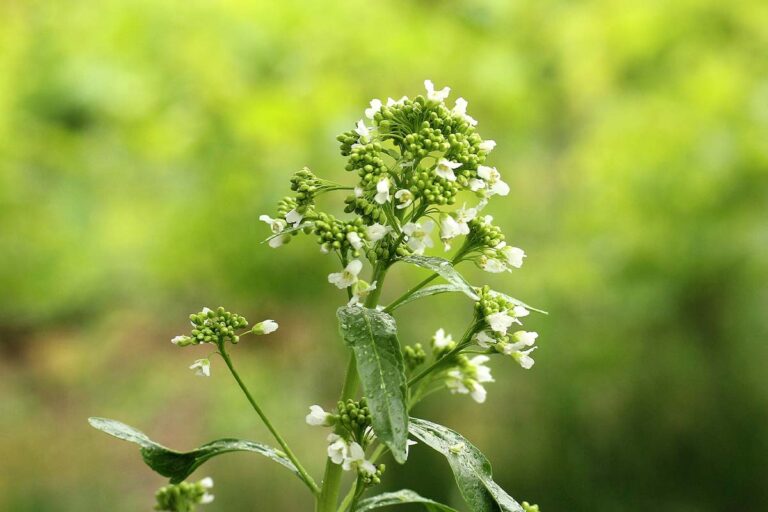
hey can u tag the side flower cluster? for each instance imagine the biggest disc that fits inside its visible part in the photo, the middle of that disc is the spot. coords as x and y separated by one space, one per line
184 497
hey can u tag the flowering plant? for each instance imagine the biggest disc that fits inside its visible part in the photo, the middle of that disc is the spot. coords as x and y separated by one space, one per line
414 159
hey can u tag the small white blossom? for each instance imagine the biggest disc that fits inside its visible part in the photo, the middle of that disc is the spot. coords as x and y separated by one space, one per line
358 191
445 168
348 276
363 131
460 110
317 417
492 265
276 226
492 178
376 232
338 449
375 107
442 341
419 235
527 338
501 321
476 184
434 95
513 255
382 190
293 217
361 290
181 340
392 102
356 460
463 216
207 484
487 145
484 339
265 327
202 368
520 311
523 357
354 240
404 198
449 229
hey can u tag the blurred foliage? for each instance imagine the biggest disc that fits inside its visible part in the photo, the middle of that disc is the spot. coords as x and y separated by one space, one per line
139 142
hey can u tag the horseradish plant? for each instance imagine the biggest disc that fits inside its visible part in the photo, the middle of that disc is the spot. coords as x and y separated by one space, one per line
414 161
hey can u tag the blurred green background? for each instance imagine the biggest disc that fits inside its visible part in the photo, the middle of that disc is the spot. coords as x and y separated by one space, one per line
139 142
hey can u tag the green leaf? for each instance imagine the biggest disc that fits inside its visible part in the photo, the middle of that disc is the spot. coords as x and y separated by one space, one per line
470 467
399 498
431 290
179 465
518 302
372 335
445 269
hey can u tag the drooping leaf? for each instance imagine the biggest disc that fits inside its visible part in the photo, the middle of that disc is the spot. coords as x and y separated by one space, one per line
471 468
179 465
431 290
399 498
372 335
518 302
445 269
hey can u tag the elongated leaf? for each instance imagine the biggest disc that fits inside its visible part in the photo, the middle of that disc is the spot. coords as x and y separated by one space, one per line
470 467
399 498
431 290
372 335
518 302
179 465
445 269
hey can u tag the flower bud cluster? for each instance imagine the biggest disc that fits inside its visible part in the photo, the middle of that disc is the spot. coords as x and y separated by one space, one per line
527 507
306 185
355 417
442 343
414 356
370 479
209 326
499 314
336 235
184 497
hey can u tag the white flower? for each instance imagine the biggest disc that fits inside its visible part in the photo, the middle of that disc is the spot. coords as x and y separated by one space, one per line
354 240
375 107
463 216
361 292
391 102
526 338
293 217
376 232
513 255
382 191
487 145
338 449
317 417
419 235
442 341
449 229
445 168
265 327
206 483
276 226
358 191
404 198
492 265
523 358
182 341
501 321
202 368
363 131
520 311
434 95
348 276
476 184
493 182
356 460
460 110
484 339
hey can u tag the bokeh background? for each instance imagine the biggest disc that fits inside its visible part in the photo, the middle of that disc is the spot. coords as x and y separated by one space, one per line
139 142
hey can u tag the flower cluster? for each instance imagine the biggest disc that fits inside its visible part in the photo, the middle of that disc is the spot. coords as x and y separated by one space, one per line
184 497
217 327
500 314
468 377
412 156
414 356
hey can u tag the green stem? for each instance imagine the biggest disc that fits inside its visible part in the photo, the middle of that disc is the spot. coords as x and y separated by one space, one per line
329 495
288 452
410 292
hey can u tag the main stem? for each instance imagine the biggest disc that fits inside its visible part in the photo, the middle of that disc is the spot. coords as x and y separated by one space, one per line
329 495
302 472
